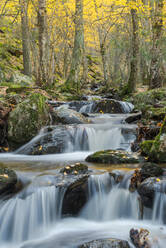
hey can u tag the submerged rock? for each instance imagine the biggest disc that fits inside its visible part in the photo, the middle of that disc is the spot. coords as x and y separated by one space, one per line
8 180
106 243
27 119
113 157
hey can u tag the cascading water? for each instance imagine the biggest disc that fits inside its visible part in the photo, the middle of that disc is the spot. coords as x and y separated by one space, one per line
113 200
30 213
32 218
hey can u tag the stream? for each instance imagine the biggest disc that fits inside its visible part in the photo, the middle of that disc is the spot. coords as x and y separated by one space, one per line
32 218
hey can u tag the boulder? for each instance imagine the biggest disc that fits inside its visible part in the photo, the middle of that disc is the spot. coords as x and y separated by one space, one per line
76 196
27 119
106 243
64 115
147 170
133 117
8 180
113 157
148 188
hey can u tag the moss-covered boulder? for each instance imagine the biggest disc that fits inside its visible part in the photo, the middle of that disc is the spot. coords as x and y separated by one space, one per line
28 118
113 157
156 149
8 180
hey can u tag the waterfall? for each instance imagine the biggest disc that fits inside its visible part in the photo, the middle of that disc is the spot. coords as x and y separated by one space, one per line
110 200
159 208
127 107
30 213
79 138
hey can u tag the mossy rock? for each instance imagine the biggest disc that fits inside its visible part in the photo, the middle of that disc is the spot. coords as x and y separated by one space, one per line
146 147
74 169
147 101
156 113
8 180
113 157
156 149
28 118
18 89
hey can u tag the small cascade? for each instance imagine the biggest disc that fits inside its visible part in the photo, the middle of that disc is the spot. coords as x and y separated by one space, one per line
30 213
127 107
110 200
159 208
66 139
87 108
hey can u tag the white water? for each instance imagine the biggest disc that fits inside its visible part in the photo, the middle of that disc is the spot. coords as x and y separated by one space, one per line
32 218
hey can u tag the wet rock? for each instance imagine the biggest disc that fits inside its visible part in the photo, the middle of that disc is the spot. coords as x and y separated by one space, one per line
113 157
65 115
75 169
76 196
133 117
27 119
148 188
140 238
8 180
102 106
147 170
106 243
135 181
56 139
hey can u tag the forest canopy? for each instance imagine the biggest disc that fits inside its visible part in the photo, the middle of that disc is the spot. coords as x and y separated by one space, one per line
117 42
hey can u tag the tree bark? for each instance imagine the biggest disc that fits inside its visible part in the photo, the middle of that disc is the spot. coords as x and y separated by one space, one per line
157 28
43 43
73 80
25 38
133 77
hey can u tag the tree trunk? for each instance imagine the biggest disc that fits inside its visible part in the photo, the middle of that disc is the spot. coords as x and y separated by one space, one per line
43 43
73 80
157 27
103 50
133 77
25 38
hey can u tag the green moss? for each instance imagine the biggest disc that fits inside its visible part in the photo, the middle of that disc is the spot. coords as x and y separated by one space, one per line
28 118
146 147
113 157
156 113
